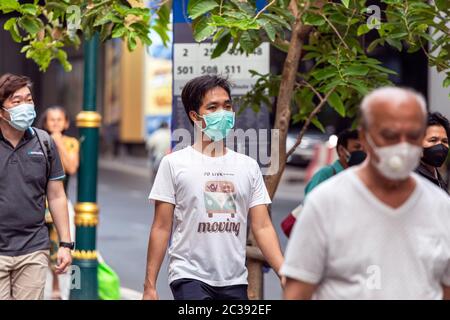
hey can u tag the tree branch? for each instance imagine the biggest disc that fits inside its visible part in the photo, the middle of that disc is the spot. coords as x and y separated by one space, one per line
317 93
263 9
335 30
308 122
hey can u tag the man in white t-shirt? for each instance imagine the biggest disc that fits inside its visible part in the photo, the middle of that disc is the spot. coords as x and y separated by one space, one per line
203 196
376 231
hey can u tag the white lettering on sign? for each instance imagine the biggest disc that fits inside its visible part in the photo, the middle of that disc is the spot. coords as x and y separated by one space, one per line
194 59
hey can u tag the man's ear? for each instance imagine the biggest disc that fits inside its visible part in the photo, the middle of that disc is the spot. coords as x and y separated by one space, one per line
340 150
193 116
362 137
2 114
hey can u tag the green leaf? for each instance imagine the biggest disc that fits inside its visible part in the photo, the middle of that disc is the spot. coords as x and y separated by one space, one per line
356 70
203 30
221 46
29 8
383 69
363 29
317 123
311 55
269 28
446 82
395 43
374 44
332 84
359 86
313 19
399 35
197 8
278 20
119 31
9 24
281 12
62 57
246 42
132 44
346 3
325 73
442 5
335 101
30 24
109 17
8 6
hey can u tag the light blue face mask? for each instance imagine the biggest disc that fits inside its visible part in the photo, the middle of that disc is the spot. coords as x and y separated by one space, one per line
218 124
21 116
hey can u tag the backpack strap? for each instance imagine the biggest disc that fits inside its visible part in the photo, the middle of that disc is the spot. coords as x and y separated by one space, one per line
45 141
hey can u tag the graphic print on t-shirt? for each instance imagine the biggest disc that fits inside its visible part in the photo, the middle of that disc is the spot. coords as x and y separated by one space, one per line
220 204
220 198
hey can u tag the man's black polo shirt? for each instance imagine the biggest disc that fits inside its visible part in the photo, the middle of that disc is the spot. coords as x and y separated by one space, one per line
23 175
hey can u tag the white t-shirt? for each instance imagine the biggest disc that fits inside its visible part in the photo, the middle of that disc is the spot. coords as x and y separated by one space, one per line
212 197
355 247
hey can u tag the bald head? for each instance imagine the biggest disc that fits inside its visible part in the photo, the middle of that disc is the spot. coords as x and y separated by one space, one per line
392 102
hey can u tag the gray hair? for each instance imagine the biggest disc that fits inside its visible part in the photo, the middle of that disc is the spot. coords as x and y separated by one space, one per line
391 93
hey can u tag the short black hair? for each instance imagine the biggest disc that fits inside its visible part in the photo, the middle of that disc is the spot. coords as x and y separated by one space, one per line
195 90
10 83
346 135
437 119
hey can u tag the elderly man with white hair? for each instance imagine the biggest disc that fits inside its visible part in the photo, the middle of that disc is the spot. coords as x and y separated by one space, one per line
378 230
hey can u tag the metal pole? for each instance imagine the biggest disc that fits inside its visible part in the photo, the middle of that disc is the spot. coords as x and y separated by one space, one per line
86 209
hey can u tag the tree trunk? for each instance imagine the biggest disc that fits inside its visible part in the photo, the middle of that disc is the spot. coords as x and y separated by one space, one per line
283 107
282 119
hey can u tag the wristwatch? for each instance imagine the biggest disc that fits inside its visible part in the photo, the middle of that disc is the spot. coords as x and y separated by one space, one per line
70 245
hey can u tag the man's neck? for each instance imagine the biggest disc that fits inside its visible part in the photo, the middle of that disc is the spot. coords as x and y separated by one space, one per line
209 147
392 193
11 134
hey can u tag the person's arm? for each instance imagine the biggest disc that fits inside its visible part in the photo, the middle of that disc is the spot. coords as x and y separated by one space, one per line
446 292
266 237
57 204
157 246
69 159
298 290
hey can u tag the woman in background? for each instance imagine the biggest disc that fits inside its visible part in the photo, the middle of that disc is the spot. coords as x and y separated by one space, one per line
56 121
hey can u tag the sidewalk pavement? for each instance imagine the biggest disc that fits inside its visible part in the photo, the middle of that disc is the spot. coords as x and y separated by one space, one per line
64 281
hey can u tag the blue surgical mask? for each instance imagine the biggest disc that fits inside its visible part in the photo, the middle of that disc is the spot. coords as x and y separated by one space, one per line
21 116
218 124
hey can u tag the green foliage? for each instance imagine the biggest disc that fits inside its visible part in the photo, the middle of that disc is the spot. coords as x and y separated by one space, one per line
336 59
47 28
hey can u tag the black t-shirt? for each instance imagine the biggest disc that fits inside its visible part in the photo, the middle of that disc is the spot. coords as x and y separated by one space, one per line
23 178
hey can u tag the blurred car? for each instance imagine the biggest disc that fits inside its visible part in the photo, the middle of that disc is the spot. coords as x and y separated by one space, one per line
305 151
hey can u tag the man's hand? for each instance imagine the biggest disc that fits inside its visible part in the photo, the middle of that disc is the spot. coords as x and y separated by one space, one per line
64 260
150 294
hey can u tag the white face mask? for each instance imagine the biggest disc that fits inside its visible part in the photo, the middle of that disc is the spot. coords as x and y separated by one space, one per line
396 162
